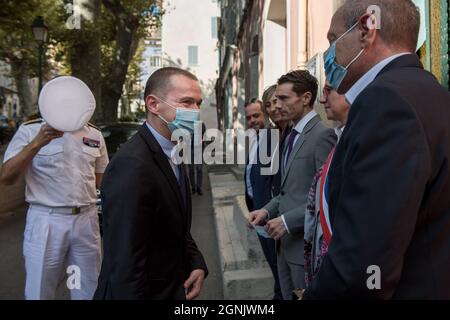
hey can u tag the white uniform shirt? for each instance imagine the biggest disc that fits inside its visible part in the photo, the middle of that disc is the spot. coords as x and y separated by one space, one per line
62 174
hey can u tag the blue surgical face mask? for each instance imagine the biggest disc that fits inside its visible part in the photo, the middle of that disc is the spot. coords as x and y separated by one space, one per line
334 72
184 119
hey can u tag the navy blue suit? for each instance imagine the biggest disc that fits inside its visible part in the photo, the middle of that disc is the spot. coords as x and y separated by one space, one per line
389 191
261 186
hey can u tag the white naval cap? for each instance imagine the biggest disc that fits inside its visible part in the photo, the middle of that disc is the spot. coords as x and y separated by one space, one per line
66 103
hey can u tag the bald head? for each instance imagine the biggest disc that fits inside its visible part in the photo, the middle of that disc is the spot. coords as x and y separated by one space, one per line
161 80
399 25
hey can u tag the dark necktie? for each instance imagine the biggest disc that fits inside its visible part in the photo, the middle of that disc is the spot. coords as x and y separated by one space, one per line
291 140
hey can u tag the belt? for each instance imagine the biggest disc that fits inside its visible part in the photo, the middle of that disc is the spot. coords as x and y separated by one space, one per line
63 210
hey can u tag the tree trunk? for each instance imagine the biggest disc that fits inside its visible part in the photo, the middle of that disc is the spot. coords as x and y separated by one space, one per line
125 50
85 59
20 72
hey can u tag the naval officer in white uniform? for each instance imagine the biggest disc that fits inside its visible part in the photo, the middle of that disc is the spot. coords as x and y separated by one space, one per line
62 171
62 229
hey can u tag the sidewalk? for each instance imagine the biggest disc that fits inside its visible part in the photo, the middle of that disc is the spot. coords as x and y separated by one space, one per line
204 234
245 272
12 271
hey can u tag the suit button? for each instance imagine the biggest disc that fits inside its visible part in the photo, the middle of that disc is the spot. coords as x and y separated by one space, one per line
282 192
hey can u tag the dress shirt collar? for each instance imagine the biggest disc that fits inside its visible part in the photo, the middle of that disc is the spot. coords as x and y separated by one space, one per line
300 126
166 145
368 78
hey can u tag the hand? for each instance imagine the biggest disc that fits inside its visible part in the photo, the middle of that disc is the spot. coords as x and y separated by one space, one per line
276 229
299 293
257 218
194 284
45 135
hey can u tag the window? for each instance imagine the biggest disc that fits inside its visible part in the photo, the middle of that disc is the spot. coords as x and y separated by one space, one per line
155 61
214 27
193 55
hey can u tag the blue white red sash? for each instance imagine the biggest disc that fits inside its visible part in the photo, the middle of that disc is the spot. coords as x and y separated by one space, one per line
324 210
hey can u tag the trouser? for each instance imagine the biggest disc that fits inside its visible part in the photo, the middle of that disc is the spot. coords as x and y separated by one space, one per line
56 244
196 171
292 276
270 253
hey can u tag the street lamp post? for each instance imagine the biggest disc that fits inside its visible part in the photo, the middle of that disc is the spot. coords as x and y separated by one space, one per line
40 33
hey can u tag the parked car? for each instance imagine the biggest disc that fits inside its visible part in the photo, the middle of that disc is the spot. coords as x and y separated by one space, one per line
6 131
115 135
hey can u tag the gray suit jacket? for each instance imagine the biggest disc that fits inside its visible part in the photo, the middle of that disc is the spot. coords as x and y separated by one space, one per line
309 154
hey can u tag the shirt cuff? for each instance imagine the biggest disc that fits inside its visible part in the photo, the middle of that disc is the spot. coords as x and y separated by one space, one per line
285 225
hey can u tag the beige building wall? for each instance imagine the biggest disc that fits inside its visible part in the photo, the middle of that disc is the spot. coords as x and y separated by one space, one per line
189 23
295 37
274 52
298 29
275 44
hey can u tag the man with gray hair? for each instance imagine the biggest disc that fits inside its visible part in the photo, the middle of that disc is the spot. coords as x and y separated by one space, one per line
387 209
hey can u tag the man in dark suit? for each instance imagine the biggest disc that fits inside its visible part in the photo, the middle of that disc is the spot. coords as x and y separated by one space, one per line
257 188
389 204
257 184
149 252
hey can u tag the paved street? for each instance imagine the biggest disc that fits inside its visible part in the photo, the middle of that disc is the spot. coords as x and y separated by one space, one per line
12 222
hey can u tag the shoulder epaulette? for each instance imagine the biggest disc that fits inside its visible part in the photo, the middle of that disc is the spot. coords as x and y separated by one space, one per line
93 126
33 121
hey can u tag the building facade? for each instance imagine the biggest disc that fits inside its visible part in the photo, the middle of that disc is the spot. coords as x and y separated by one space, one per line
262 39
189 38
9 98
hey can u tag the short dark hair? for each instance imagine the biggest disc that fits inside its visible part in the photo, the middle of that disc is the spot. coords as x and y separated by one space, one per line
303 82
254 100
159 81
400 19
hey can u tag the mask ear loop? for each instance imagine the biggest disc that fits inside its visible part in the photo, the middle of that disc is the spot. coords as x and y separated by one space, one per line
170 105
347 32
159 116
343 35
356 58
182 108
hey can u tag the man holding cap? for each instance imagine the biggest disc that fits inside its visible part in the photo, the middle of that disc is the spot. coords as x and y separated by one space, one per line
61 173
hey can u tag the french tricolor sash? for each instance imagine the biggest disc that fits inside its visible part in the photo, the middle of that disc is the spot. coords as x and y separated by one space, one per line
324 211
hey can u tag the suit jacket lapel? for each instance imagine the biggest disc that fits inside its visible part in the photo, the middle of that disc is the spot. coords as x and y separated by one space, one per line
298 145
163 163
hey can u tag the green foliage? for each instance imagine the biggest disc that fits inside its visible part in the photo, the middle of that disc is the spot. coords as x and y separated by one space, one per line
16 39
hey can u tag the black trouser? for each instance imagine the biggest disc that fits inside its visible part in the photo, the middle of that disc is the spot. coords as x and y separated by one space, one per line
268 246
270 253
196 171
